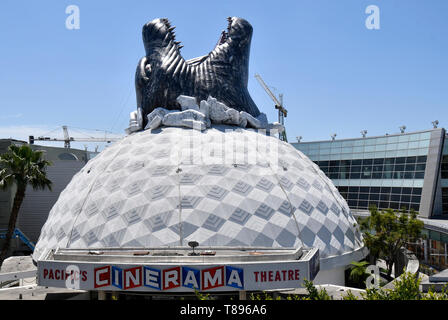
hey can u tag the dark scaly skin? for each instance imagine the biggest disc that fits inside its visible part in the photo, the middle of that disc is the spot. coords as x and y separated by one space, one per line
163 74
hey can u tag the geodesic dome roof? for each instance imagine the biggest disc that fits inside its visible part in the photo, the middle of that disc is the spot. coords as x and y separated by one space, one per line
147 190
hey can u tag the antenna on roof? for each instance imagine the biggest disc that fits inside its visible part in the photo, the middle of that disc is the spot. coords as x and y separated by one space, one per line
435 123
402 128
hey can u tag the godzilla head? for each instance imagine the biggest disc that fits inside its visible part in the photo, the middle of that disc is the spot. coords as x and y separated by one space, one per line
163 74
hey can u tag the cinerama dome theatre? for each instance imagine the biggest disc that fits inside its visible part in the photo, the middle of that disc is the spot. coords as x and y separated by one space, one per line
158 188
129 197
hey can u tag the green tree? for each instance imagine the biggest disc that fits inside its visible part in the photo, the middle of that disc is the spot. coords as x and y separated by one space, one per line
21 166
387 231
358 274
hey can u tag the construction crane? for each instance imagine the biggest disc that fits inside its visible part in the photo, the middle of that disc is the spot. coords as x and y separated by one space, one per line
282 112
67 139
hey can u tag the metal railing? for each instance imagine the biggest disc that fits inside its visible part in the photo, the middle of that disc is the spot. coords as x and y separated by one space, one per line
18 234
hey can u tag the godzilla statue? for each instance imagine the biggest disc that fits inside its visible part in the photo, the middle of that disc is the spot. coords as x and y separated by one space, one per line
163 75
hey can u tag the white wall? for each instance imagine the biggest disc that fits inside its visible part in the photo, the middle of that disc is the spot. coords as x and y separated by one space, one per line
334 276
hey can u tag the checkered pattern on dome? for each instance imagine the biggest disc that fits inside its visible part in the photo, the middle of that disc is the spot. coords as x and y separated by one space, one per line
140 193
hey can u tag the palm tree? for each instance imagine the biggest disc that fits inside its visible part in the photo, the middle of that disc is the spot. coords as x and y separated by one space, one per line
358 273
21 166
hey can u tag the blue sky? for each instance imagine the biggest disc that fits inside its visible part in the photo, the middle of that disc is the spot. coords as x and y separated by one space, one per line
335 74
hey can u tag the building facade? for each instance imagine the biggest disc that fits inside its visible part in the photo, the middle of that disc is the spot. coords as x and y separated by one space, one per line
407 170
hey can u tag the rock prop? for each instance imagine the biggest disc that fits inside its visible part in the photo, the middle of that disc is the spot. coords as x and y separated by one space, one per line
210 111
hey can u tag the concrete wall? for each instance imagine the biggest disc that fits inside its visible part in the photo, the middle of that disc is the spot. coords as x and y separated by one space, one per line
428 205
334 276
37 204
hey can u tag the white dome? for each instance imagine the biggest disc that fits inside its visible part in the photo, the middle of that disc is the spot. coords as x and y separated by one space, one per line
136 193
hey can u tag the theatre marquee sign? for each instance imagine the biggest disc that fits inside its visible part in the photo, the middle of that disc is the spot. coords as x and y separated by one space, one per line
168 277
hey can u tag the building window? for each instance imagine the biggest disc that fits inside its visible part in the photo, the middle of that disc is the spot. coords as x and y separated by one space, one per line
383 197
382 168
445 200
445 167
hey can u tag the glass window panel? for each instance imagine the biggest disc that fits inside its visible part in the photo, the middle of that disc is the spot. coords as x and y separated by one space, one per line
398 175
394 205
381 140
336 144
392 139
362 204
358 149
335 151
419 175
396 190
377 175
413 145
374 196
364 196
402 153
355 175
347 150
392 146
399 167
367 161
378 161
364 189
411 159
375 189
425 135
352 195
370 142
356 162
353 203
335 156
384 196
400 160
409 167
380 147
403 138
405 198
353 189
416 199
384 205
417 191
359 142
386 189
421 159
387 175
391 154
423 144
324 151
395 197
345 162
348 143
377 168
402 145
414 137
